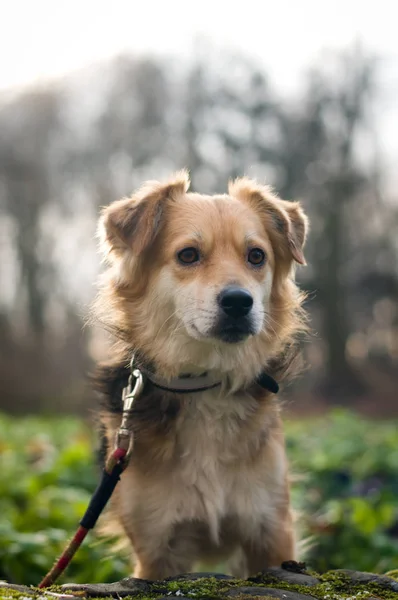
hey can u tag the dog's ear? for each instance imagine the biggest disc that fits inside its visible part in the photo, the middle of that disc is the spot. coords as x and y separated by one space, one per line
132 224
285 222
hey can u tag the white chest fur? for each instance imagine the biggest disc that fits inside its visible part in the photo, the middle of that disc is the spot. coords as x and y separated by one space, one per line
210 430
216 466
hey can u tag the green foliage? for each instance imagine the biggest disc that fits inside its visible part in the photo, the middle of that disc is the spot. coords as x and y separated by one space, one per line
345 492
47 474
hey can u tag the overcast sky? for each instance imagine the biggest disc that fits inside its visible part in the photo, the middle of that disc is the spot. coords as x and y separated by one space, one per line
47 38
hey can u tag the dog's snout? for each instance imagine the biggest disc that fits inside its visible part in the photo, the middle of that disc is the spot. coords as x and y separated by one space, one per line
235 302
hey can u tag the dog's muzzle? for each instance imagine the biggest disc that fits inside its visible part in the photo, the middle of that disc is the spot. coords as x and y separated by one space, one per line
235 322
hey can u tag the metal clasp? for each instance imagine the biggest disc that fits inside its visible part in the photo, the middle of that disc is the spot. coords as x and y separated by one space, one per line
124 436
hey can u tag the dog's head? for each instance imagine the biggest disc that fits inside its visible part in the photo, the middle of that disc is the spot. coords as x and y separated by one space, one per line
196 276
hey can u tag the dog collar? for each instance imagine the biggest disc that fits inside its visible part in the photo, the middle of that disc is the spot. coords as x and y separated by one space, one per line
185 384
190 384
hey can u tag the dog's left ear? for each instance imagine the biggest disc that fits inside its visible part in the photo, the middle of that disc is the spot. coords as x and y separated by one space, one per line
296 230
285 222
132 224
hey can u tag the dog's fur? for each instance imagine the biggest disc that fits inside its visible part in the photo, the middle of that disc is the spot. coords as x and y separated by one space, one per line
208 477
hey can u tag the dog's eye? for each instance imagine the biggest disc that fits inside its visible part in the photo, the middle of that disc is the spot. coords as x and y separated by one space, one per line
256 257
188 256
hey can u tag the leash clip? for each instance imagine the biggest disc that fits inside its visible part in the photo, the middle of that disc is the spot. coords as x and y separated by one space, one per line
124 436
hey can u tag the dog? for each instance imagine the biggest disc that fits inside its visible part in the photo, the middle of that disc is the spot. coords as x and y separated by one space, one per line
201 290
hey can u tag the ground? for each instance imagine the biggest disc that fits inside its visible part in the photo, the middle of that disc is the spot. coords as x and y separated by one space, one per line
291 582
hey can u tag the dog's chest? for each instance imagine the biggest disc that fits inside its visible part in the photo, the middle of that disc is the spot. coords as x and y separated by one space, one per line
221 464
213 434
215 468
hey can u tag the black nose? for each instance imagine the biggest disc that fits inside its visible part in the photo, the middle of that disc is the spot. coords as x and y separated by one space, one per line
235 302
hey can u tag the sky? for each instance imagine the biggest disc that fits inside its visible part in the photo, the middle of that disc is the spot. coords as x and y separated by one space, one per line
41 39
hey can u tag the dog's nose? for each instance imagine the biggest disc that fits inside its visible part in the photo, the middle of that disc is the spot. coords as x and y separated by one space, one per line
235 302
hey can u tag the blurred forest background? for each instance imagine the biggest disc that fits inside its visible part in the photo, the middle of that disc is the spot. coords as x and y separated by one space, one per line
74 144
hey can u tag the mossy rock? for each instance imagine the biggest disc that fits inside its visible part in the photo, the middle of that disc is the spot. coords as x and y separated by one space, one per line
291 582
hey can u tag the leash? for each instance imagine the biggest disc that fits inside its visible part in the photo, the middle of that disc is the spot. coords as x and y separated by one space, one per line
115 465
119 458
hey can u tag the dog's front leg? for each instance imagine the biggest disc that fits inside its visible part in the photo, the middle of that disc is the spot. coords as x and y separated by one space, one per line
275 544
157 553
149 520
160 564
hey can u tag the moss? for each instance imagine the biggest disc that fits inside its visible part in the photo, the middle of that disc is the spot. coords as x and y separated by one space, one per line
205 587
6 594
335 586
332 586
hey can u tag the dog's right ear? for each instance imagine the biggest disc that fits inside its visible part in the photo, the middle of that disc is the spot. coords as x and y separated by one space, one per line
131 225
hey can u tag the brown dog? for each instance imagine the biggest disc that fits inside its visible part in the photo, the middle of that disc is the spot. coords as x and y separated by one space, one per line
201 289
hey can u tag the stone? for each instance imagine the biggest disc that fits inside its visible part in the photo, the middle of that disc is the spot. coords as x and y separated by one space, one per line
290 582
363 578
130 586
18 588
281 574
269 592
30 592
